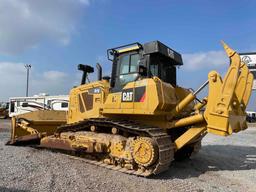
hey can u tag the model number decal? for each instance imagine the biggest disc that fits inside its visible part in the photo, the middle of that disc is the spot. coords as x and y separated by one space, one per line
95 90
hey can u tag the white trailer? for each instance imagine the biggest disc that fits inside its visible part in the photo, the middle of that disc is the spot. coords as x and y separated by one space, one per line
21 105
250 60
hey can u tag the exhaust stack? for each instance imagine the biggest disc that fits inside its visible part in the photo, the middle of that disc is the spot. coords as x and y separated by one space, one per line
99 68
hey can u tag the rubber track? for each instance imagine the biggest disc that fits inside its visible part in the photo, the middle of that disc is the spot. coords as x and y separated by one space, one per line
162 139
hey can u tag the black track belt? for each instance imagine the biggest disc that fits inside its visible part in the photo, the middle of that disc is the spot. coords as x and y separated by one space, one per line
162 139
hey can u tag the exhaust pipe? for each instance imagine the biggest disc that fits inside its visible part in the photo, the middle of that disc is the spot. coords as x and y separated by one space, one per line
99 68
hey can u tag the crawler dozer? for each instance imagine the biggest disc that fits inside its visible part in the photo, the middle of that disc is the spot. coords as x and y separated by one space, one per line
139 120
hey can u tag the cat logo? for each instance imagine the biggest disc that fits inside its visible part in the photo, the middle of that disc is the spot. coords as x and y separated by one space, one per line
127 95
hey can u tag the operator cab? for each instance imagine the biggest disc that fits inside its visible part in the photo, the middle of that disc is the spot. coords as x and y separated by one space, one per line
134 61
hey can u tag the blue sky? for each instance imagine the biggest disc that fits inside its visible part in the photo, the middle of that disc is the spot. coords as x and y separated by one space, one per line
55 35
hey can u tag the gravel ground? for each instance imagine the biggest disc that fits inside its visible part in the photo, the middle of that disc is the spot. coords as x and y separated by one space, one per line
223 164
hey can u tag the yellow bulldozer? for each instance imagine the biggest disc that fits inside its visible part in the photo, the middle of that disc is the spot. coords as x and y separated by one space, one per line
139 120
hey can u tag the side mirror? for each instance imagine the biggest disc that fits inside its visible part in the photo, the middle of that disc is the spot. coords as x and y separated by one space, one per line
143 71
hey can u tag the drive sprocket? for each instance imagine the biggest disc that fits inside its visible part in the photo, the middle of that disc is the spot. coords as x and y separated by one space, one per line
145 151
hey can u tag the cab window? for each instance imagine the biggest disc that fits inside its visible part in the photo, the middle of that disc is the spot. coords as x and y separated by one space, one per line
162 68
128 68
134 63
154 69
124 64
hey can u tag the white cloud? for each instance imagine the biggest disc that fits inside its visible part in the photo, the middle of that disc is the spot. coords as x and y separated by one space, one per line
27 23
13 81
54 75
210 59
86 2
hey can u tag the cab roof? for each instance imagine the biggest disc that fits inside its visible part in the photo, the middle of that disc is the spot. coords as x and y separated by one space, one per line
153 47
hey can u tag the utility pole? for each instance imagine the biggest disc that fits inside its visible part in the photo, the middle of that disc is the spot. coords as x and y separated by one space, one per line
28 67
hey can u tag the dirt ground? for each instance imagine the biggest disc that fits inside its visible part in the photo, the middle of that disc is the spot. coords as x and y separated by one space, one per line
223 164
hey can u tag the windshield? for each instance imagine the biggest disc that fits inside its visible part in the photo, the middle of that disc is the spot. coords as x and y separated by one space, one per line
128 68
